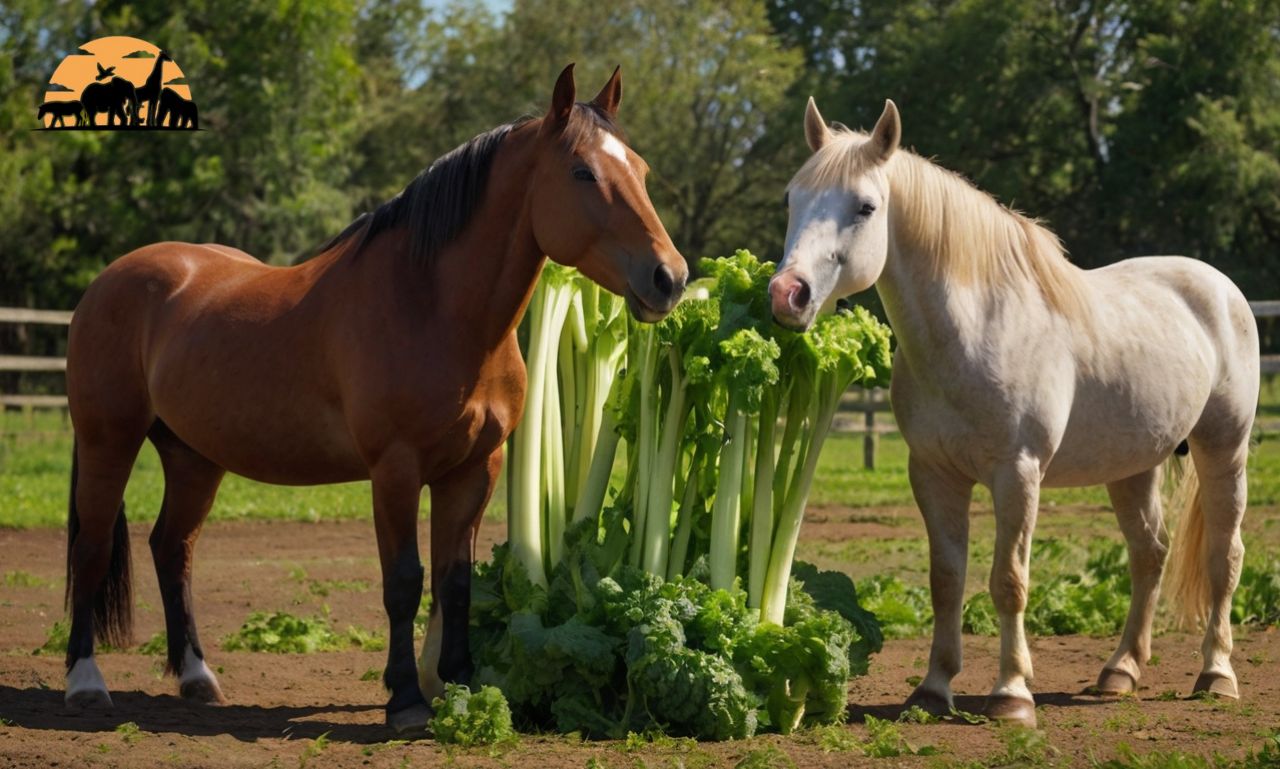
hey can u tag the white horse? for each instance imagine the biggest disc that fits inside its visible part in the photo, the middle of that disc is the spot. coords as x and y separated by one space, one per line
1015 369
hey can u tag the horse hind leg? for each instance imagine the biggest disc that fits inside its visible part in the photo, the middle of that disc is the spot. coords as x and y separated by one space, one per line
1211 554
190 485
1137 504
98 569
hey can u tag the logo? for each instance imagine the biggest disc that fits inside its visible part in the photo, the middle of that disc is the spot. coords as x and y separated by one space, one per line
119 84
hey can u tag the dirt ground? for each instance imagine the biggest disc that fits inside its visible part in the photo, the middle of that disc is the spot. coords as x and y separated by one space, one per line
281 704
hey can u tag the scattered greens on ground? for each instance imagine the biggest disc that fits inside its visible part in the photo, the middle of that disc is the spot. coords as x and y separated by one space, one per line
667 602
284 633
57 639
1093 602
469 719
1265 757
156 644
903 610
1257 599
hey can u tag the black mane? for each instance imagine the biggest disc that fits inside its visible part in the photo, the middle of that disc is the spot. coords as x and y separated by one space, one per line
440 201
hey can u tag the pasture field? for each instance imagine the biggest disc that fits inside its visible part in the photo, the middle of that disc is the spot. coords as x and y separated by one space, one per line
310 553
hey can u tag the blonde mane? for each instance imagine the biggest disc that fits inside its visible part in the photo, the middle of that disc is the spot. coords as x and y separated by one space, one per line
968 235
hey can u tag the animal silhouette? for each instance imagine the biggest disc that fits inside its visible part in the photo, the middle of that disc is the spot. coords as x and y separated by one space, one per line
116 97
180 112
105 72
149 92
61 110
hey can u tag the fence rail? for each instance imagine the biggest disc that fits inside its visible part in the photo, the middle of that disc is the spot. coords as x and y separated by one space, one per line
29 315
1270 309
868 404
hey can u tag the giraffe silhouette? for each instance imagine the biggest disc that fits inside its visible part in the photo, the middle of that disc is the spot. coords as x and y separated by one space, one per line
149 92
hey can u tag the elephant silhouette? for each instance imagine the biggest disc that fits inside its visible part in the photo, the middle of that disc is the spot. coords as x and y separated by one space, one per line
117 97
180 112
61 110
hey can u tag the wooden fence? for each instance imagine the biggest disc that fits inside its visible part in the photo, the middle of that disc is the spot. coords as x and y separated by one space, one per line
31 362
868 403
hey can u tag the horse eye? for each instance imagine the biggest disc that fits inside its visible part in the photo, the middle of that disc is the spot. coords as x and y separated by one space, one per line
867 209
583 174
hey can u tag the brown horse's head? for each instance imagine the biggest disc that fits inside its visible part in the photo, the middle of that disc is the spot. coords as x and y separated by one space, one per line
590 208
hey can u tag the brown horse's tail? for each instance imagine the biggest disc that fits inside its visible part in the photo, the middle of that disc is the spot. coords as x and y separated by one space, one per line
113 601
1188 578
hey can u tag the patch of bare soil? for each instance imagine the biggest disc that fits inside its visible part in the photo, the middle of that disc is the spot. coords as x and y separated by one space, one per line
281 704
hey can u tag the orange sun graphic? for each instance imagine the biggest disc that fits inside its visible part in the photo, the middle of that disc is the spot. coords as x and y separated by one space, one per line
110 57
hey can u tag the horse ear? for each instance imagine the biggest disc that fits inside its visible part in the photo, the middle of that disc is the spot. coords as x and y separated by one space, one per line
815 128
887 133
562 101
611 95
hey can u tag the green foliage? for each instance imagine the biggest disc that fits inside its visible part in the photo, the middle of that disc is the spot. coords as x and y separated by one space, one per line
313 750
768 757
283 633
469 719
835 738
903 610
1265 757
834 591
917 715
56 641
1094 601
1257 598
607 655
156 644
20 578
129 732
1023 746
884 740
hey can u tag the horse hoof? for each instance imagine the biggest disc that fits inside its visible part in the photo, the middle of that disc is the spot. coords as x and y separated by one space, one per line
89 699
1217 685
1011 710
1114 683
202 691
412 719
929 701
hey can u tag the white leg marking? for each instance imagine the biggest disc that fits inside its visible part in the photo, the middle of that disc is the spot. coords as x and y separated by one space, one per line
195 669
429 663
85 684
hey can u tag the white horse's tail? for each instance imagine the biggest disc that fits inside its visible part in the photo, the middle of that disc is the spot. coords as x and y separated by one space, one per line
1188 579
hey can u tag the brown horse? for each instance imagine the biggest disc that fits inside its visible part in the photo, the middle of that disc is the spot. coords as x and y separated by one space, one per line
390 356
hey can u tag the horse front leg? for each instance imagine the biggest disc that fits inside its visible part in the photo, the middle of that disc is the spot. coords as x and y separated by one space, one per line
397 486
1015 490
1136 501
457 503
944 499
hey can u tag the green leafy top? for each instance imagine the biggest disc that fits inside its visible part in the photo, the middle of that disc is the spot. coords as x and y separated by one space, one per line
467 719
742 290
749 364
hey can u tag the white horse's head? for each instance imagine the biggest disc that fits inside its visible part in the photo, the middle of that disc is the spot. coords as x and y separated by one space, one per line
838 232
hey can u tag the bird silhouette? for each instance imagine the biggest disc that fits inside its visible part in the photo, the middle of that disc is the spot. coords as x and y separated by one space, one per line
105 72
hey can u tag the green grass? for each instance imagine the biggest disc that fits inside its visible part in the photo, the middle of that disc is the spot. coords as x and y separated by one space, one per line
35 462
35 467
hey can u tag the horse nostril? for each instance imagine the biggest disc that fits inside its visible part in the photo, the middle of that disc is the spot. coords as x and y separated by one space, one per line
664 281
800 295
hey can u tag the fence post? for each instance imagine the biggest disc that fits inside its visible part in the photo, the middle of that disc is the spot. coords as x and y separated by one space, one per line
869 437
